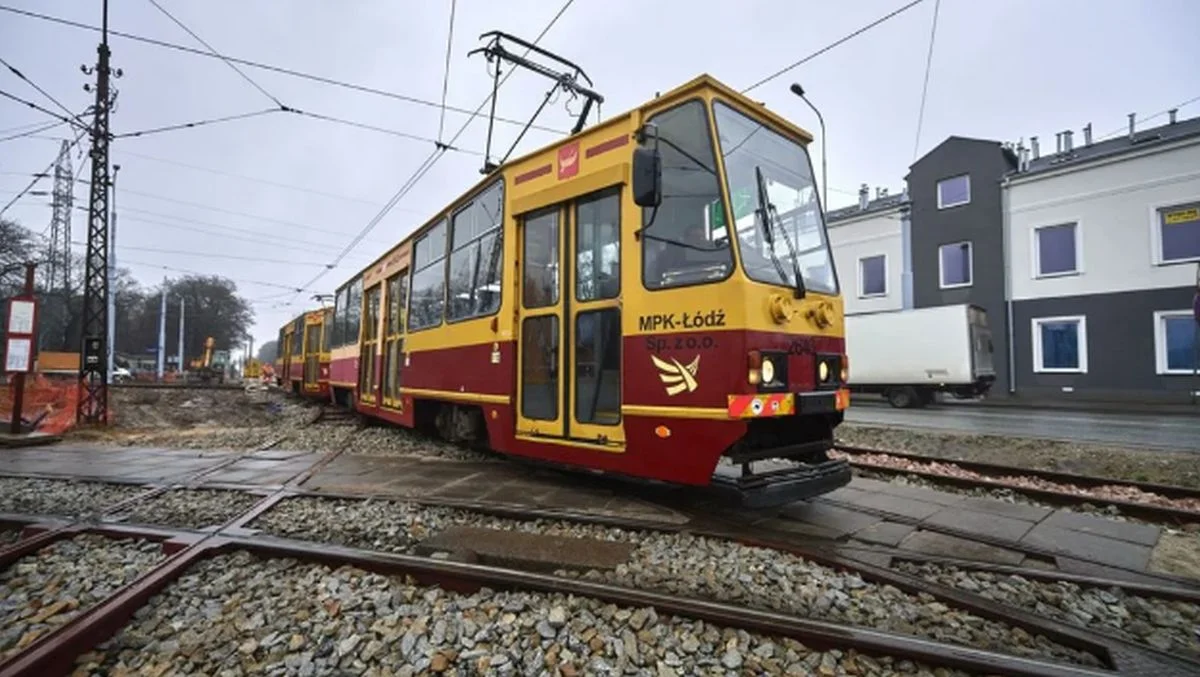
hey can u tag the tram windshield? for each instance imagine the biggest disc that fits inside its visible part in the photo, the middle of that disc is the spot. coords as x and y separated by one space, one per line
780 230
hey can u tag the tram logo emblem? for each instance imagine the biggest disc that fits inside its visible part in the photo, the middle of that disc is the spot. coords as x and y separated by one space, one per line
568 161
678 377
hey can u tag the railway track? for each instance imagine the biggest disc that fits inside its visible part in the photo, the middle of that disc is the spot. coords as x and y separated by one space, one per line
197 525
1159 503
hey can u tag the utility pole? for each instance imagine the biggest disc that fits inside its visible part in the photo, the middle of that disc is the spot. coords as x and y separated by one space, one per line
112 276
162 330
181 353
59 257
93 367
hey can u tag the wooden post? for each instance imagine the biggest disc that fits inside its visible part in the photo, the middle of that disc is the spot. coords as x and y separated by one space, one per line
19 377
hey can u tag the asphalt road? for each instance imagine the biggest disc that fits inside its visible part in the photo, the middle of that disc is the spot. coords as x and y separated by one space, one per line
1128 430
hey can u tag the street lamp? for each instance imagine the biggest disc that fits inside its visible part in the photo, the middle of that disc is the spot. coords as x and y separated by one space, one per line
799 91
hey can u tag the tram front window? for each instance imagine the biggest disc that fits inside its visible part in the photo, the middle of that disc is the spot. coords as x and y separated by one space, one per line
683 245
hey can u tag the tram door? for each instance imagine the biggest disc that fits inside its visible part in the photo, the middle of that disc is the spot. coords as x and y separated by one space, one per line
312 357
368 370
569 350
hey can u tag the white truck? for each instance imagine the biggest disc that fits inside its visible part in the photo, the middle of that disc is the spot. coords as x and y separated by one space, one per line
909 356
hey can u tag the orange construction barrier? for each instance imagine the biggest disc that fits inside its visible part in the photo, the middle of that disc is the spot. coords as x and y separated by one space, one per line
57 398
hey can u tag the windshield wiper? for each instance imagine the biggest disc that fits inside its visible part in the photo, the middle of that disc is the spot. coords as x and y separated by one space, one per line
766 212
680 243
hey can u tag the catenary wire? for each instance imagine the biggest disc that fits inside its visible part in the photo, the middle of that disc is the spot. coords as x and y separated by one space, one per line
833 44
197 123
33 84
47 111
446 73
214 52
32 132
268 67
37 178
925 86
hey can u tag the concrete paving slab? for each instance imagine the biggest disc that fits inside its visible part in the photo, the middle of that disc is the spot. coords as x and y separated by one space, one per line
529 551
1076 566
922 494
885 533
791 526
846 494
1017 511
982 523
941 545
1071 543
1133 532
898 505
829 517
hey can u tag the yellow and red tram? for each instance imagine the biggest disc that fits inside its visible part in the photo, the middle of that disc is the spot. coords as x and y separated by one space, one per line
654 296
302 363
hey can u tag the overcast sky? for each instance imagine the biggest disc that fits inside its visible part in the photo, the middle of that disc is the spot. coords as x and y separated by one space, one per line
1002 69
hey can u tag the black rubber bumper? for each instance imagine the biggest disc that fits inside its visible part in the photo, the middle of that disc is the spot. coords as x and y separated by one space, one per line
780 487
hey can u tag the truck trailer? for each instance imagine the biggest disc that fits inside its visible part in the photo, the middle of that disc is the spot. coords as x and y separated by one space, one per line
909 356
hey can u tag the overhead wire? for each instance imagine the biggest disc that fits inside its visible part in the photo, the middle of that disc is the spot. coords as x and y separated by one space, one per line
831 45
361 125
206 255
446 73
33 84
197 123
268 67
71 121
214 52
429 161
1121 130
925 87
32 132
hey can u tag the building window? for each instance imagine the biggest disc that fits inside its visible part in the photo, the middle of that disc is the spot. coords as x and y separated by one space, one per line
872 276
954 191
1179 233
1060 345
955 265
1175 342
1056 250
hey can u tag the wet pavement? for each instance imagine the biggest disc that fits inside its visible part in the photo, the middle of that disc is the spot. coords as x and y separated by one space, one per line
1129 430
866 514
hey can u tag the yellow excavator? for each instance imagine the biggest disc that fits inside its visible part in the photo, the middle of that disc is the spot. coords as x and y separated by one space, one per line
212 367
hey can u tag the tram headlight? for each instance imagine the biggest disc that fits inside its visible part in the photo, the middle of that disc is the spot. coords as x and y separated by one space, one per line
768 370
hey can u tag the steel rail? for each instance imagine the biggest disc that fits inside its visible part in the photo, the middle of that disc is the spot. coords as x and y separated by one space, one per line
57 651
1147 511
983 467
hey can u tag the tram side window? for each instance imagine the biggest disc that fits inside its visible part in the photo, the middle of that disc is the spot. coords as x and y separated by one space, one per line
685 244
298 336
326 330
427 295
475 262
353 310
334 330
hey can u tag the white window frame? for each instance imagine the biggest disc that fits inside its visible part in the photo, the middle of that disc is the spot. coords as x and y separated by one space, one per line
862 294
1081 336
938 188
970 265
1036 249
1160 342
1156 243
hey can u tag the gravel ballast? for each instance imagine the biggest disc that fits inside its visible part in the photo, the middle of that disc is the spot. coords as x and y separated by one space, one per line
680 564
240 614
1163 624
40 592
9 536
192 508
61 497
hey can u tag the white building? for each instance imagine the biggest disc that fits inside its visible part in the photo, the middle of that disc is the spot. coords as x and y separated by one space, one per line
871 253
1102 243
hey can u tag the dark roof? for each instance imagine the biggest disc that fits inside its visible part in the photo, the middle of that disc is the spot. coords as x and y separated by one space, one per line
876 205
1081 154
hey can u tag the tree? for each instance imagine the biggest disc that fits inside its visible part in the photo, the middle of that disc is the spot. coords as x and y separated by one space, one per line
268 351
17 246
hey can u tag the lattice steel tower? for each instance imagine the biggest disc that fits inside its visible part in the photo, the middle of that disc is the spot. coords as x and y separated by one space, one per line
58 259
93 363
